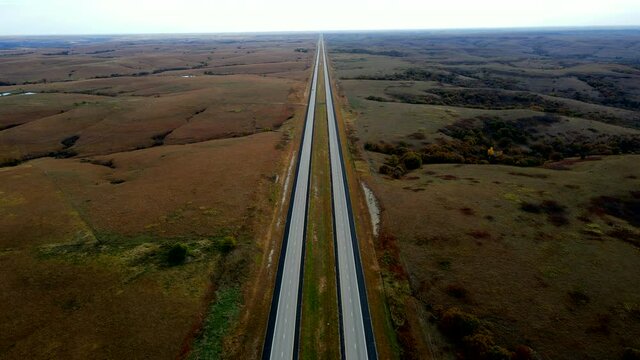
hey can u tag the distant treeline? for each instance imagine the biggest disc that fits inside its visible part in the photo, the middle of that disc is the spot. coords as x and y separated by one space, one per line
457 78
100 52
393 53
153 72
504 100
611 91
61 53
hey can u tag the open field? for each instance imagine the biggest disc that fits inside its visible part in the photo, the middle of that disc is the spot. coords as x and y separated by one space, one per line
168 94
504 165
549 281
136 195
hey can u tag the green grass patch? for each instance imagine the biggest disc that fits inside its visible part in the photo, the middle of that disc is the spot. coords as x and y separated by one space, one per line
140 249
319 336
222 314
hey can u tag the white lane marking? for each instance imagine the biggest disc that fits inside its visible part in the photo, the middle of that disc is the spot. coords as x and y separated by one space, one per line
346 253
295 239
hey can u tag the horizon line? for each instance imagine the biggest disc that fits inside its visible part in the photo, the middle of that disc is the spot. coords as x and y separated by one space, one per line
364 30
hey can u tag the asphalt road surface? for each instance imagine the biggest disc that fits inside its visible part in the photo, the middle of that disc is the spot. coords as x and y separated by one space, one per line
356 331
284 320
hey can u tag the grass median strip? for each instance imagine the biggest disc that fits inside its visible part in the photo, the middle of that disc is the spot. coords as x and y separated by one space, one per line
319 333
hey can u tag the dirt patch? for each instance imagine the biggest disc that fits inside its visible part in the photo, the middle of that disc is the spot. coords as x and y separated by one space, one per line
374 209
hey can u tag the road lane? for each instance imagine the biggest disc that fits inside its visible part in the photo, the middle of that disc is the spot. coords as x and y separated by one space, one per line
281 341
356 330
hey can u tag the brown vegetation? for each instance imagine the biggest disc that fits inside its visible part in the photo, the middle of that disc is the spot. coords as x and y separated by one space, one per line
522 273
135 188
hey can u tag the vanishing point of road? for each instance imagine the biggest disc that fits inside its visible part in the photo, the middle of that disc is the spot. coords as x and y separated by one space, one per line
356 331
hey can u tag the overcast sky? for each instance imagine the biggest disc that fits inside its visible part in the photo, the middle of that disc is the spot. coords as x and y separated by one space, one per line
22 17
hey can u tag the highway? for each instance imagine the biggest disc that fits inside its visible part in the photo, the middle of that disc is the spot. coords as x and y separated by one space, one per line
281 341
356 331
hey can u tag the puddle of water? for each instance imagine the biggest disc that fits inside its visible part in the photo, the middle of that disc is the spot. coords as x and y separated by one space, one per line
5 94
29 93
374 209
187 76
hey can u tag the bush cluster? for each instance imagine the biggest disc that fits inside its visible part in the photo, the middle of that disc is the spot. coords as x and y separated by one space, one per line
396 166
70 141
631 354
474 340
484 140
226 244
392 53
626 208
177 254
556 213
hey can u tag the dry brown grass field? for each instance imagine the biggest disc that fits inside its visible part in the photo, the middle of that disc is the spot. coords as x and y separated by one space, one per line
133 149
506 168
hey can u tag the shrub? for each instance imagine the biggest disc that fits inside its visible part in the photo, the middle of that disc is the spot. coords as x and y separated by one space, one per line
457 324
625 235
70 141
385 170
523 352
556 156
369 146
398 172
377 98
177 254
478 345
393 167
558 219
62 154
578 297
626 209
554 211
226 243
631 354
439 154
108 163
530 208
411 160
418 135
552 207
467 211
499 353
158 139
457 291
529 161
479 234
482 347
392 161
